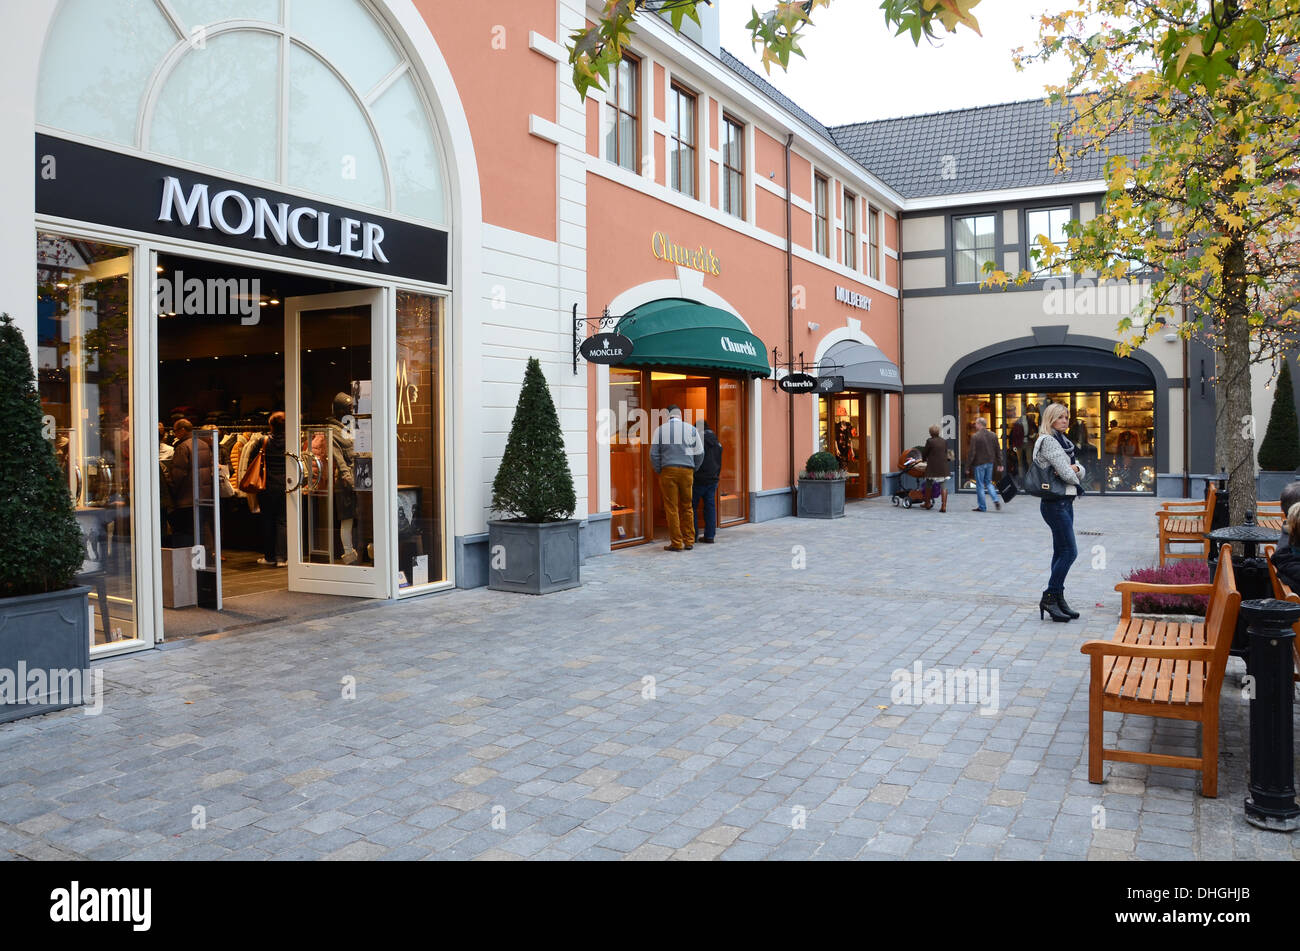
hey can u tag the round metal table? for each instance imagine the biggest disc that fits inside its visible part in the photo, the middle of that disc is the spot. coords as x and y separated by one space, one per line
1249 568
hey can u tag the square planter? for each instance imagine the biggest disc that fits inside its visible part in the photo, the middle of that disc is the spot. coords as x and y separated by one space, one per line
47 635
532 557
821 498
1269 485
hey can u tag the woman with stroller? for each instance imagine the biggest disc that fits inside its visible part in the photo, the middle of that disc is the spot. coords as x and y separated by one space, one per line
1053 450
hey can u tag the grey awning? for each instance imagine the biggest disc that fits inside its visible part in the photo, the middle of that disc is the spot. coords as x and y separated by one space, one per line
863 367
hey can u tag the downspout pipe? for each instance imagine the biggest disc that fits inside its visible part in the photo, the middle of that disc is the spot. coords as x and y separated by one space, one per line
789 321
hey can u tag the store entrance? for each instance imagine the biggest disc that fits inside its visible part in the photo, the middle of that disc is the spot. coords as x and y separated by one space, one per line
691 393
264 445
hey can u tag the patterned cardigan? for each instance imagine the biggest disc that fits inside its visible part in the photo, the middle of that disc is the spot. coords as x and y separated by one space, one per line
1049 452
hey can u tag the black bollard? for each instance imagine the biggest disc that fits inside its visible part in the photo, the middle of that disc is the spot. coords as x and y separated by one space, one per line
1271 803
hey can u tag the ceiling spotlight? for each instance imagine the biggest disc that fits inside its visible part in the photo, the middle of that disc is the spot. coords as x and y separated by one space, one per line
61 284
261 303
159 269
275 300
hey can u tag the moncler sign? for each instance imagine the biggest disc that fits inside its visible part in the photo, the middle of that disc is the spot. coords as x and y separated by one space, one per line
606 348
232 212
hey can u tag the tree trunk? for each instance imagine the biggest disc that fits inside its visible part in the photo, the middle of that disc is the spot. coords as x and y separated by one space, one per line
1237 431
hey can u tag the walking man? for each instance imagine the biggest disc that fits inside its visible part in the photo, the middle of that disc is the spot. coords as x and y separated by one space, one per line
706 484
676 451
983 457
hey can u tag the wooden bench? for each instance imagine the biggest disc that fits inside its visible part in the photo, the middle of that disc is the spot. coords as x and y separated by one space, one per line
1284 593
1186 522
1270 515
1169 669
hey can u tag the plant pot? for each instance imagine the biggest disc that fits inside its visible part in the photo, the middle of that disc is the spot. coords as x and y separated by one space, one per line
48 635
1270 485
821 498
534 557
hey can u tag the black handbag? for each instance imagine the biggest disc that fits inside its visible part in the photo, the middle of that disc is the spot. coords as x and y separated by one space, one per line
1007 488
1042 482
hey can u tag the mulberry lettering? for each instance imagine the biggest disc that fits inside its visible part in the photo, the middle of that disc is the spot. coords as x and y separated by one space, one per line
233 213
852 298
700 259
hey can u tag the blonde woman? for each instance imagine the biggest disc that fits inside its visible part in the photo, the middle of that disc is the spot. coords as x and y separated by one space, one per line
1054 450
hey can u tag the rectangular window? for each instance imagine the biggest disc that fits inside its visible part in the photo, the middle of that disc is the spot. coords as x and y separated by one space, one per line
972 247
733 167
821 233
873 238
1049 222
622 109
850 229
418 515
681 140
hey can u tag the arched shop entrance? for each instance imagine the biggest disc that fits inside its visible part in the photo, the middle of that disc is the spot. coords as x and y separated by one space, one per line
1115 408
251 223
702 359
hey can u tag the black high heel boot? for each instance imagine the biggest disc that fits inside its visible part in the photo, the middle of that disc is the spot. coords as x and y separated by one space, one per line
1049 605
1060 600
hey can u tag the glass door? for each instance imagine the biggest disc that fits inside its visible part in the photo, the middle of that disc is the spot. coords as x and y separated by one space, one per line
335 421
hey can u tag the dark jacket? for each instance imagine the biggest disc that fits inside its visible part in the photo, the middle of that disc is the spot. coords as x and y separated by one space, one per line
983 448
711 467
274 450
180 478
935 454
1287 563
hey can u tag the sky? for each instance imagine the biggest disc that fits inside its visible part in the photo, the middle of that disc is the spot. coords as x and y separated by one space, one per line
857 70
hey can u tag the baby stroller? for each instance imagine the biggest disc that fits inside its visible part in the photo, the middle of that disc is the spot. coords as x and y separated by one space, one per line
912 467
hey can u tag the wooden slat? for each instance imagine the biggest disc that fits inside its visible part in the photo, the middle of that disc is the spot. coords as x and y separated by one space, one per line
1135 669
1165 674
1119 669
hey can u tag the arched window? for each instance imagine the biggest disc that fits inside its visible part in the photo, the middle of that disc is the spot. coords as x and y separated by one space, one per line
316 95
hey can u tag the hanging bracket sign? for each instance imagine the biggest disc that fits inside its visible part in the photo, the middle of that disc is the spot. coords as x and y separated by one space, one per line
798 383
830 384
608 348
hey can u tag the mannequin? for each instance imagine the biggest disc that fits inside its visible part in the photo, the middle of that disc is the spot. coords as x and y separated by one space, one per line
343 459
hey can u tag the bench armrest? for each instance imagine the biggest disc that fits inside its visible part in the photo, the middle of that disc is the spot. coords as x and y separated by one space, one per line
1115 649
1169 505
1165 515
1129 588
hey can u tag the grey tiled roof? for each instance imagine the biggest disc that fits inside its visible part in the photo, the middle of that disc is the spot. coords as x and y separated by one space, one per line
970 150
778 97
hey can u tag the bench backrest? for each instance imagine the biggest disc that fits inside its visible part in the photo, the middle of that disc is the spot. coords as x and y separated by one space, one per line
1211 495
1221 620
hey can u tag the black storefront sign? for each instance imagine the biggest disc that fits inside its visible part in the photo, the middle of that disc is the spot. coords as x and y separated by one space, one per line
84 183
1049 369
608 348
830 384
798 383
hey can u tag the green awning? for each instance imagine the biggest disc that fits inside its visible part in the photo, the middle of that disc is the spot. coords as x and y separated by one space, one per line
686 334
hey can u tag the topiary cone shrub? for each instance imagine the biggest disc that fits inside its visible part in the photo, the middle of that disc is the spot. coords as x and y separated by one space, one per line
43 548
1280 450
534 483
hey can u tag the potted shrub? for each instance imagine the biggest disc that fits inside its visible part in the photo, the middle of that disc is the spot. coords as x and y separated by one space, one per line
821 487
44 621
534 548
1279 453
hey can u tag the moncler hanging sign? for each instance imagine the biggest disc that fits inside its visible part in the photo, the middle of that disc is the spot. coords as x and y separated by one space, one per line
83 183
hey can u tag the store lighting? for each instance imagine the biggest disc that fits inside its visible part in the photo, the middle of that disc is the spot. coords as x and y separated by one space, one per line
159 269
61 284
275 300
261 303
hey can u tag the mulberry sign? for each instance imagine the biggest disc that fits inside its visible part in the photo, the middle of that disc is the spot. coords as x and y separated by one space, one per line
697 259
852 298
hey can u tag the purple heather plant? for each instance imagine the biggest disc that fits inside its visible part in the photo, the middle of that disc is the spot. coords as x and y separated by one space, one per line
1179 572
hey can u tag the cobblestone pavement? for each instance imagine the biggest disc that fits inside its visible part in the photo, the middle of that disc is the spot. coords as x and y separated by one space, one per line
731 702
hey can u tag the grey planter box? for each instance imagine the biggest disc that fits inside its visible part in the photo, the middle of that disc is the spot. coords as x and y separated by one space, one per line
821 498
534 558
1269 486
49 633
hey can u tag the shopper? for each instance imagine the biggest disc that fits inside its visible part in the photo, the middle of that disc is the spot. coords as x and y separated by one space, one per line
1286 560
675 453
271 500
1053 450
180 479
1289 497
337 454
983 457
935 455
706 484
